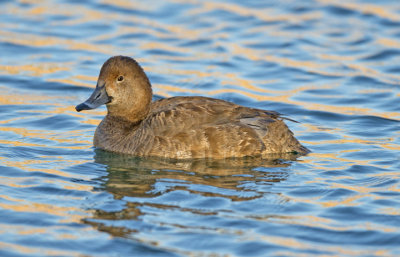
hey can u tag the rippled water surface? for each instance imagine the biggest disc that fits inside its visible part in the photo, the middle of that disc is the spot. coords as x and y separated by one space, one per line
332 65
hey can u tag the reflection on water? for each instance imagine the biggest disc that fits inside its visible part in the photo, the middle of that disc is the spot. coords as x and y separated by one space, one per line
136 179
131 176
332 65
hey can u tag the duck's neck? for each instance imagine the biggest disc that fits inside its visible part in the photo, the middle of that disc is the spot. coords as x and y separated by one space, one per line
128 115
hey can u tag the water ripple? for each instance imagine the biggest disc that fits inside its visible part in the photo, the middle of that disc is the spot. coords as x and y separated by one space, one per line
61 197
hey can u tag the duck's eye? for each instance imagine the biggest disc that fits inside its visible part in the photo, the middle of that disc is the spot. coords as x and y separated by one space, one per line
120 78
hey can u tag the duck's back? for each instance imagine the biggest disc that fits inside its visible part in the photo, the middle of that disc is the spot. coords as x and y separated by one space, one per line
201 127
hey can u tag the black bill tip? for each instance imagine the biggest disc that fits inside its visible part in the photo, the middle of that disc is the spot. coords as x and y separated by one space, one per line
82 106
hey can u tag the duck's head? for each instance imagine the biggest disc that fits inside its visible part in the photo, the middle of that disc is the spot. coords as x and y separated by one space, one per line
123 87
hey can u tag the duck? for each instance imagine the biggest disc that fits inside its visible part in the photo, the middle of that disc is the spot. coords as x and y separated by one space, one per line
180 127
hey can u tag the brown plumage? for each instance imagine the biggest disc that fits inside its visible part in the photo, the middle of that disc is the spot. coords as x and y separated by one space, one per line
180 127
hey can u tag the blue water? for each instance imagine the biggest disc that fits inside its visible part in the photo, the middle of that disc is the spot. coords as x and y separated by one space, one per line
331 65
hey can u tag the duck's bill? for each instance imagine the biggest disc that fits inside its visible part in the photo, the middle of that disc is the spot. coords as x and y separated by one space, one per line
98 97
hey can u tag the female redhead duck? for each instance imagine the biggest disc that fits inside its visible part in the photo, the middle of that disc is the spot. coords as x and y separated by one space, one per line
179 127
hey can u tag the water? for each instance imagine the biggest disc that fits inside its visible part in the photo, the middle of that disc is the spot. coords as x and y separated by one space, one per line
332 65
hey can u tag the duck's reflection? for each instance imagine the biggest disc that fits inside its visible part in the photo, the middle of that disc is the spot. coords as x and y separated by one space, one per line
143 178
135 176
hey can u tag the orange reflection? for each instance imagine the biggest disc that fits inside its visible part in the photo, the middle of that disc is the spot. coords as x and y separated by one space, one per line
65 212
33 40
301 244
264 14
365 8
37 69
